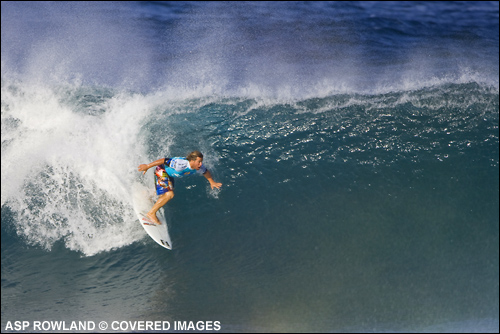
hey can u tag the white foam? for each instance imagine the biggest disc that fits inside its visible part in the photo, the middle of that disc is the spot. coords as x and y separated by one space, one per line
67 174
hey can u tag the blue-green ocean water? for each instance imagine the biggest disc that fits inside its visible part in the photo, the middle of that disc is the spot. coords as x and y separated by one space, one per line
357 144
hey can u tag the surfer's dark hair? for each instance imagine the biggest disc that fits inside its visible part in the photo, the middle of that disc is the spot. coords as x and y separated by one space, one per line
194 155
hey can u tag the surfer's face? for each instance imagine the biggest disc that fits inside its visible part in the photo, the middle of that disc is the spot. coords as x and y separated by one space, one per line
196 164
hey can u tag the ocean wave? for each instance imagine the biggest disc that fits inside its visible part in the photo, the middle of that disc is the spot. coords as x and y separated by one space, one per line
69 153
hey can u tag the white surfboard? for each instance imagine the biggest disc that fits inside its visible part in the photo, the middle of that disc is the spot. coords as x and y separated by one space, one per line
143 202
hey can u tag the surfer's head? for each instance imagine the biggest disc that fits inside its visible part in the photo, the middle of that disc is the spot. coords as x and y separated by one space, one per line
195 159
194 155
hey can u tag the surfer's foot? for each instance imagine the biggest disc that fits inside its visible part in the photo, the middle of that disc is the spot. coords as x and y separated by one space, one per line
153 218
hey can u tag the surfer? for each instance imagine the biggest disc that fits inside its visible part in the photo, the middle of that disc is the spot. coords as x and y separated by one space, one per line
169 168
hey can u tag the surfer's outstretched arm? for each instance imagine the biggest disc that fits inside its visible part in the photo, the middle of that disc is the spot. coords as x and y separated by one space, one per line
144 168
213 184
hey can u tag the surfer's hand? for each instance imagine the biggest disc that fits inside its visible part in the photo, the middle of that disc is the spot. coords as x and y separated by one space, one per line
143 168
215 185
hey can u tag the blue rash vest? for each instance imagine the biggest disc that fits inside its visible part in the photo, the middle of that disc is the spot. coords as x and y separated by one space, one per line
173 168
179 167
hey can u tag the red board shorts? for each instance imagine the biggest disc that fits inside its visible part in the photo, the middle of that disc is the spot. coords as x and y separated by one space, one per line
164 183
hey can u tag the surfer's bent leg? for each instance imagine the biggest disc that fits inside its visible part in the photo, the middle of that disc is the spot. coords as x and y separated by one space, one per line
164 190
162 200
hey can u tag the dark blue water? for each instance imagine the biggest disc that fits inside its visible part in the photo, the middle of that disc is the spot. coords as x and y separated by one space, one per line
357 142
